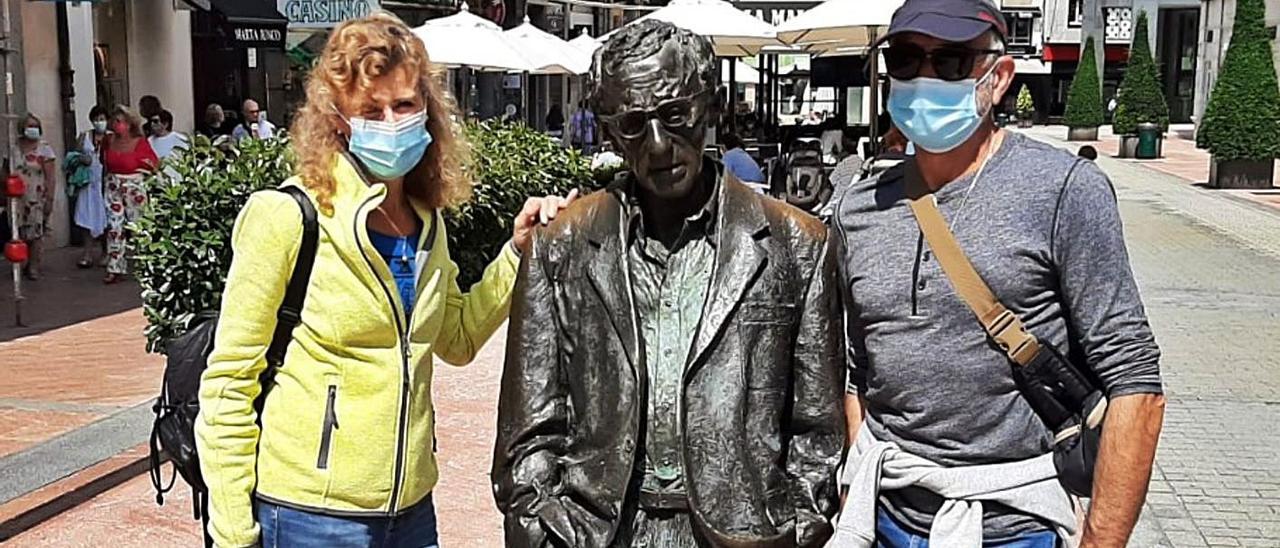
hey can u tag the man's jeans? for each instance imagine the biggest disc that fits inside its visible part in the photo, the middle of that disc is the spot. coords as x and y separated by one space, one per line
891 534
288 528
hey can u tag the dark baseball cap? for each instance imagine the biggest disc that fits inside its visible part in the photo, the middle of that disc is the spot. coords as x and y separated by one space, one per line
947 20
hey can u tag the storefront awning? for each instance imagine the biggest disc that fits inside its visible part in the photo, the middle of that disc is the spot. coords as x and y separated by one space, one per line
248 23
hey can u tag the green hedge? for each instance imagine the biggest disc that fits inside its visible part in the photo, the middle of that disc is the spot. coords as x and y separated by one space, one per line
1242 120
1140 98
510 162
181 244
1084 100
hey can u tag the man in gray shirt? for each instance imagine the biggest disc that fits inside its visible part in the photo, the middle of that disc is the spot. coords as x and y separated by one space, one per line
1043 230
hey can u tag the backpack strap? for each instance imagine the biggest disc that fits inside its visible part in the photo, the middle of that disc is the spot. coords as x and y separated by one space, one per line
290 313
1002 325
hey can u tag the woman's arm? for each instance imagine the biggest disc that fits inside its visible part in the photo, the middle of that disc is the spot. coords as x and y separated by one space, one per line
470 318
265 243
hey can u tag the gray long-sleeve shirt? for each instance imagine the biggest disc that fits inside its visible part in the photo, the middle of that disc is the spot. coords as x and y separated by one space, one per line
1051 247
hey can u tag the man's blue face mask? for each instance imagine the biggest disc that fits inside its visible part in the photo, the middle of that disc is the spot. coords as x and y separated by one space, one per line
389 149
936 115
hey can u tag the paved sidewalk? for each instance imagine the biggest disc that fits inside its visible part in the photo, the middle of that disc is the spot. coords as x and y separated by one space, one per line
1181 157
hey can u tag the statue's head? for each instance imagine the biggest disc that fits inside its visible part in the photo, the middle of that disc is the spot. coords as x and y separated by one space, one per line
653 87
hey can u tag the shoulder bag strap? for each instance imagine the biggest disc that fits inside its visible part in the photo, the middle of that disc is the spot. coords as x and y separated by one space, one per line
295 294
1003 326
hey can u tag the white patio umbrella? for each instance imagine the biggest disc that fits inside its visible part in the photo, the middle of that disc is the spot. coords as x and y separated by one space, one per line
584 42
839 24
546 53
466 40
733 32
844 26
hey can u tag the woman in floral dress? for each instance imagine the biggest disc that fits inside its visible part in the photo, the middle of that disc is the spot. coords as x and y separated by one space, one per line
127 158
36 170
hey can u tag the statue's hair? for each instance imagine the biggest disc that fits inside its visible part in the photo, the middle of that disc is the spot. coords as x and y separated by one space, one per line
644 39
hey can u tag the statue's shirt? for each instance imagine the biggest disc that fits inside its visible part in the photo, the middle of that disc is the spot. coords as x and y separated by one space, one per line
669 285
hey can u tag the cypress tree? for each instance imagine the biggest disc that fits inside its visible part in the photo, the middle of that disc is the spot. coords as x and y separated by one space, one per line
1084 99
1242 121
1140 99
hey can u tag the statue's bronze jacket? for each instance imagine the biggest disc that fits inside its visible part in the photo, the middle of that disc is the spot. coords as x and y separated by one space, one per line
762 417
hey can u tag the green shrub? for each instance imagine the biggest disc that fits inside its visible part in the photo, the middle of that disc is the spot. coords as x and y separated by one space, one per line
181 245
510 163
1026 106
1242 120
1084 100
1140 98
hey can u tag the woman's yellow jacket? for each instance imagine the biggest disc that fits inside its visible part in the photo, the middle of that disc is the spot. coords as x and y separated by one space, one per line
348 426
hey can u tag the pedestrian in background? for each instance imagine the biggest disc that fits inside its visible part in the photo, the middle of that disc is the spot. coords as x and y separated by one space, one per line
949 450
163 139
215 122
37 173
254 124
740 163
555 122
91 210
583 129
148 107
127 159
377 152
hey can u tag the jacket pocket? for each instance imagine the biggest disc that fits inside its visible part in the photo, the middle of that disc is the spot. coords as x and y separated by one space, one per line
330 424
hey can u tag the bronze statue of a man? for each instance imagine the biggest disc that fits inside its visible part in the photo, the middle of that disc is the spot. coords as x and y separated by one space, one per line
674 363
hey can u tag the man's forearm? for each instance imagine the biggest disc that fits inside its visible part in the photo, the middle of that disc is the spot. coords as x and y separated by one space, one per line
1123 471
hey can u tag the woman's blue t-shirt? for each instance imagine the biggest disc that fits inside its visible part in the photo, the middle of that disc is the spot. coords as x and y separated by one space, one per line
400 252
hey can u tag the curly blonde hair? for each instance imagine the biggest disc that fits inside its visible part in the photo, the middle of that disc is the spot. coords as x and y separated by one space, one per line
358 52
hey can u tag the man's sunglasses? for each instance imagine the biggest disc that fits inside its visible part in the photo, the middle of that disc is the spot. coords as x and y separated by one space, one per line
950 63
674 114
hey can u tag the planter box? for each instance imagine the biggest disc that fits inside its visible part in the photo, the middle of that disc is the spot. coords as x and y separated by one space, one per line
1025 123
1082 134
1246 174
1128 146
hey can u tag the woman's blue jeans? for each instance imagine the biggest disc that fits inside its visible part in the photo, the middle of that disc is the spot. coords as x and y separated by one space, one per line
891 534
284 527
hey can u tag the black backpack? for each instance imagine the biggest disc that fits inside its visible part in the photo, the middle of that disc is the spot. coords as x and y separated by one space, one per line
173 433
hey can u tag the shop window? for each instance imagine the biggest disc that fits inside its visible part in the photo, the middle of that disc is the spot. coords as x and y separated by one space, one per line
1021 25
1075 13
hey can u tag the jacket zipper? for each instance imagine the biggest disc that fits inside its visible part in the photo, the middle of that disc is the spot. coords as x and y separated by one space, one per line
330 423
402 425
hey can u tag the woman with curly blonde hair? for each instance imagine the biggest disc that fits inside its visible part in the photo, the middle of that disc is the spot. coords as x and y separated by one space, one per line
345 452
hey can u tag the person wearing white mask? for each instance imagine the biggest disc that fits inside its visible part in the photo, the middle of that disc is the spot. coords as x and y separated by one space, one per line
951 442
37 172
91 208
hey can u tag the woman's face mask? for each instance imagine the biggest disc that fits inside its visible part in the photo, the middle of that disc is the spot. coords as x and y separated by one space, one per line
31 132
120 127
100 125
389 150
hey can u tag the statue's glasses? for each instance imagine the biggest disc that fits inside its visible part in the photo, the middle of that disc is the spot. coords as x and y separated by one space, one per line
674 114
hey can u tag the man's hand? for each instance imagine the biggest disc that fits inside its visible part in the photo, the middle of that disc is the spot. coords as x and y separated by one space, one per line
1129 438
